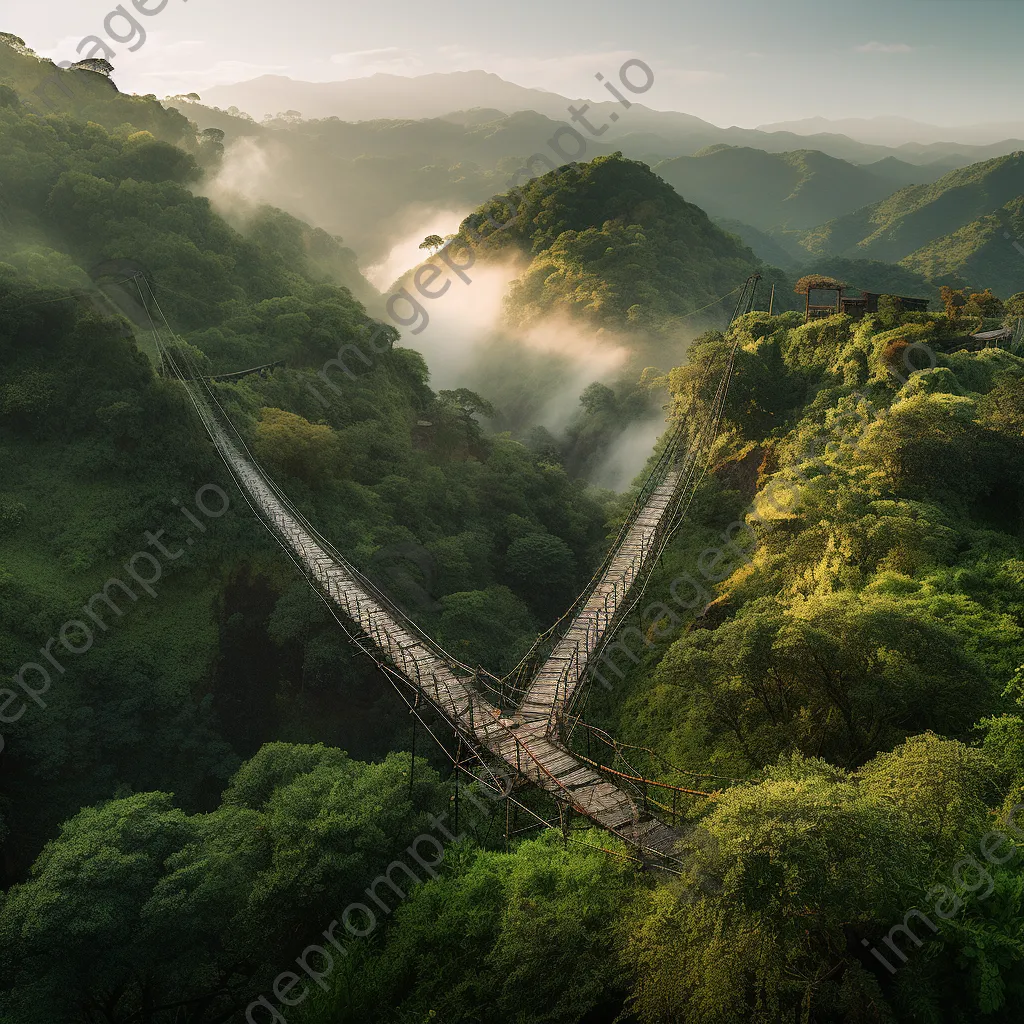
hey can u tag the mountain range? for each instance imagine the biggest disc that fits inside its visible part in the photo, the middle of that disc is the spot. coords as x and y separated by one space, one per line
640 132
961 226
791 190
890 130
827 197
374 181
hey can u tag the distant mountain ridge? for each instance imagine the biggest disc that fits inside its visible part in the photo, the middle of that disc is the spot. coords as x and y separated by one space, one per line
961 226
894 131
374 182
782 190
640 131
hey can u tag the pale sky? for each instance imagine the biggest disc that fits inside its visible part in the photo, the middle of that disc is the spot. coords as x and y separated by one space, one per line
741 62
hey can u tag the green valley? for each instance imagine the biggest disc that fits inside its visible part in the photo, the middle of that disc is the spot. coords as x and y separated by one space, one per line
445 581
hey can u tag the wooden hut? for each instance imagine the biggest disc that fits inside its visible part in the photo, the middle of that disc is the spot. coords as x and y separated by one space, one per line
867 302
815 285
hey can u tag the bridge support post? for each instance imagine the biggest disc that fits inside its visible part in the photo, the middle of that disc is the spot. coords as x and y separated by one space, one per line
458 762
565 820
412 751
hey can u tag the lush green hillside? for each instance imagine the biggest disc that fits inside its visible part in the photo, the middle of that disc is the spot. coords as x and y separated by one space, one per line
783 250
778 250
769 190
87 95
943 229
94 447
855 687
899 174
209 813
98 196
982 252
611 243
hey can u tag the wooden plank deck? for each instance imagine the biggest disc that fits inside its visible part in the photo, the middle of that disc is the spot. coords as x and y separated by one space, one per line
556 682
523 741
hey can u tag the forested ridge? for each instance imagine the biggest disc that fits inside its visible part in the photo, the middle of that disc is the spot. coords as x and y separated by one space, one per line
771 190
832 648
610 242
956 228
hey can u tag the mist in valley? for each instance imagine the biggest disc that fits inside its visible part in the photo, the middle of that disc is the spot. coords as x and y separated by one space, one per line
374 202
533 375
421 220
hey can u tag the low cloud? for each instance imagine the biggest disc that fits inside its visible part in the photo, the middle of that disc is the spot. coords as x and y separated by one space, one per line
387 59
876 47
405 251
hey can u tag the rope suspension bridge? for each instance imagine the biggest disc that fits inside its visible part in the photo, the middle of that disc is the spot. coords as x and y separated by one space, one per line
519 726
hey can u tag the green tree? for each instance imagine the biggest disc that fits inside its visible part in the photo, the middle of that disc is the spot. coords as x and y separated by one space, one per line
984 304
541 569
291 445
537 940
597 397
825 676
491 627
160 915
1014 306
783 879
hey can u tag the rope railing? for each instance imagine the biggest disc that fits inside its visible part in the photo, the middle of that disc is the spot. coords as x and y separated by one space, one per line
619 747
594 614
239 374
411 659
464 709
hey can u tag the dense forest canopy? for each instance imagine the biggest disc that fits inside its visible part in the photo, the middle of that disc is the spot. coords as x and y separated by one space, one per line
829 657
959 227
610 241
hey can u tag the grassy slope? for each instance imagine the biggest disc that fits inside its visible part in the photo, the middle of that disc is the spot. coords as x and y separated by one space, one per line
979 252
768 190
916 217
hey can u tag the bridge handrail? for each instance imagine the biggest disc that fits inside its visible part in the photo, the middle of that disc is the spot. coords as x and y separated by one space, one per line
225 445
667 523
410 655
654 479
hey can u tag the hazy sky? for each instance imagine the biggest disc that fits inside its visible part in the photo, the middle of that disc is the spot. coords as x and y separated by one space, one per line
739 62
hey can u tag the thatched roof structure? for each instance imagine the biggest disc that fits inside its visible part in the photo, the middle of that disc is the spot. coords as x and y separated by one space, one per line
815 281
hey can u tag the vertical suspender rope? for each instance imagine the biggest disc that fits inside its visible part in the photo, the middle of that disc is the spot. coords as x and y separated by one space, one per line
458 769
412 749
